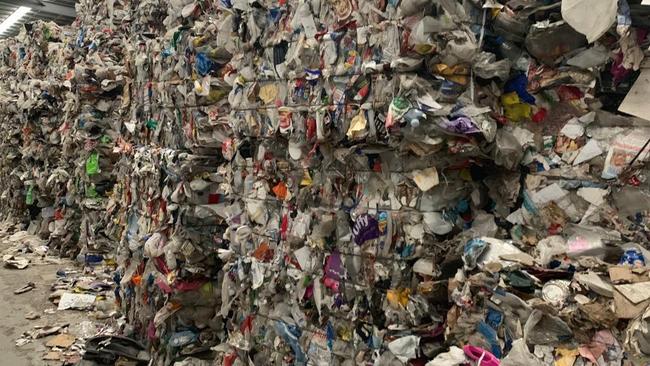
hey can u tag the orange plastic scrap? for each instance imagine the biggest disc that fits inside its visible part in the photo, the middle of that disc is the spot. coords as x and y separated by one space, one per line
263 253
280 190
136 279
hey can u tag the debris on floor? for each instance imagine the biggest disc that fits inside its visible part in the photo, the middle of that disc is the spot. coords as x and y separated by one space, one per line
109 349
89 289
41 331
52 356
76 301
14 262
32 315
28 287
61 341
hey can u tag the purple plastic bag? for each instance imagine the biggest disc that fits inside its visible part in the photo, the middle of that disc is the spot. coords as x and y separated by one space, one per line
365 228
461 125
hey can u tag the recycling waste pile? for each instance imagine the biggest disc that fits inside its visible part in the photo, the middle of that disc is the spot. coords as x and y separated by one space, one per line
35 168
344 182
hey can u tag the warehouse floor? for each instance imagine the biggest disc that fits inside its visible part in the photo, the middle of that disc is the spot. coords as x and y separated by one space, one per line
14 308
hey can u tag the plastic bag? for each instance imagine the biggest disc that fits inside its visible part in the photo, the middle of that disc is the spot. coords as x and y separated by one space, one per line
92 164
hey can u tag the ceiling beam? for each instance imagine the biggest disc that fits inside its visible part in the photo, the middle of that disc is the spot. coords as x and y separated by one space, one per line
42 6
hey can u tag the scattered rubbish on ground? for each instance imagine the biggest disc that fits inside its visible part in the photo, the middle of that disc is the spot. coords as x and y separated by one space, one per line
108 349
76 301
32 315
13 262
61 341
52 356
28 287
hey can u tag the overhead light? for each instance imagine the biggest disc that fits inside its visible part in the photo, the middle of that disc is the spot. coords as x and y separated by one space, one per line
13 18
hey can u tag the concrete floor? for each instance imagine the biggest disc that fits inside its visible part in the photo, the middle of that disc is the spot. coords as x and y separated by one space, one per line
14 307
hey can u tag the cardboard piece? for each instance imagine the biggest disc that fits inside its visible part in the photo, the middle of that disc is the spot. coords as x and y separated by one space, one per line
625 309
623 274
635 292
52 356
61 341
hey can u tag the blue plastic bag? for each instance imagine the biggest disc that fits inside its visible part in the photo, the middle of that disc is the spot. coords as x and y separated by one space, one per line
203 64
291 334
519 84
